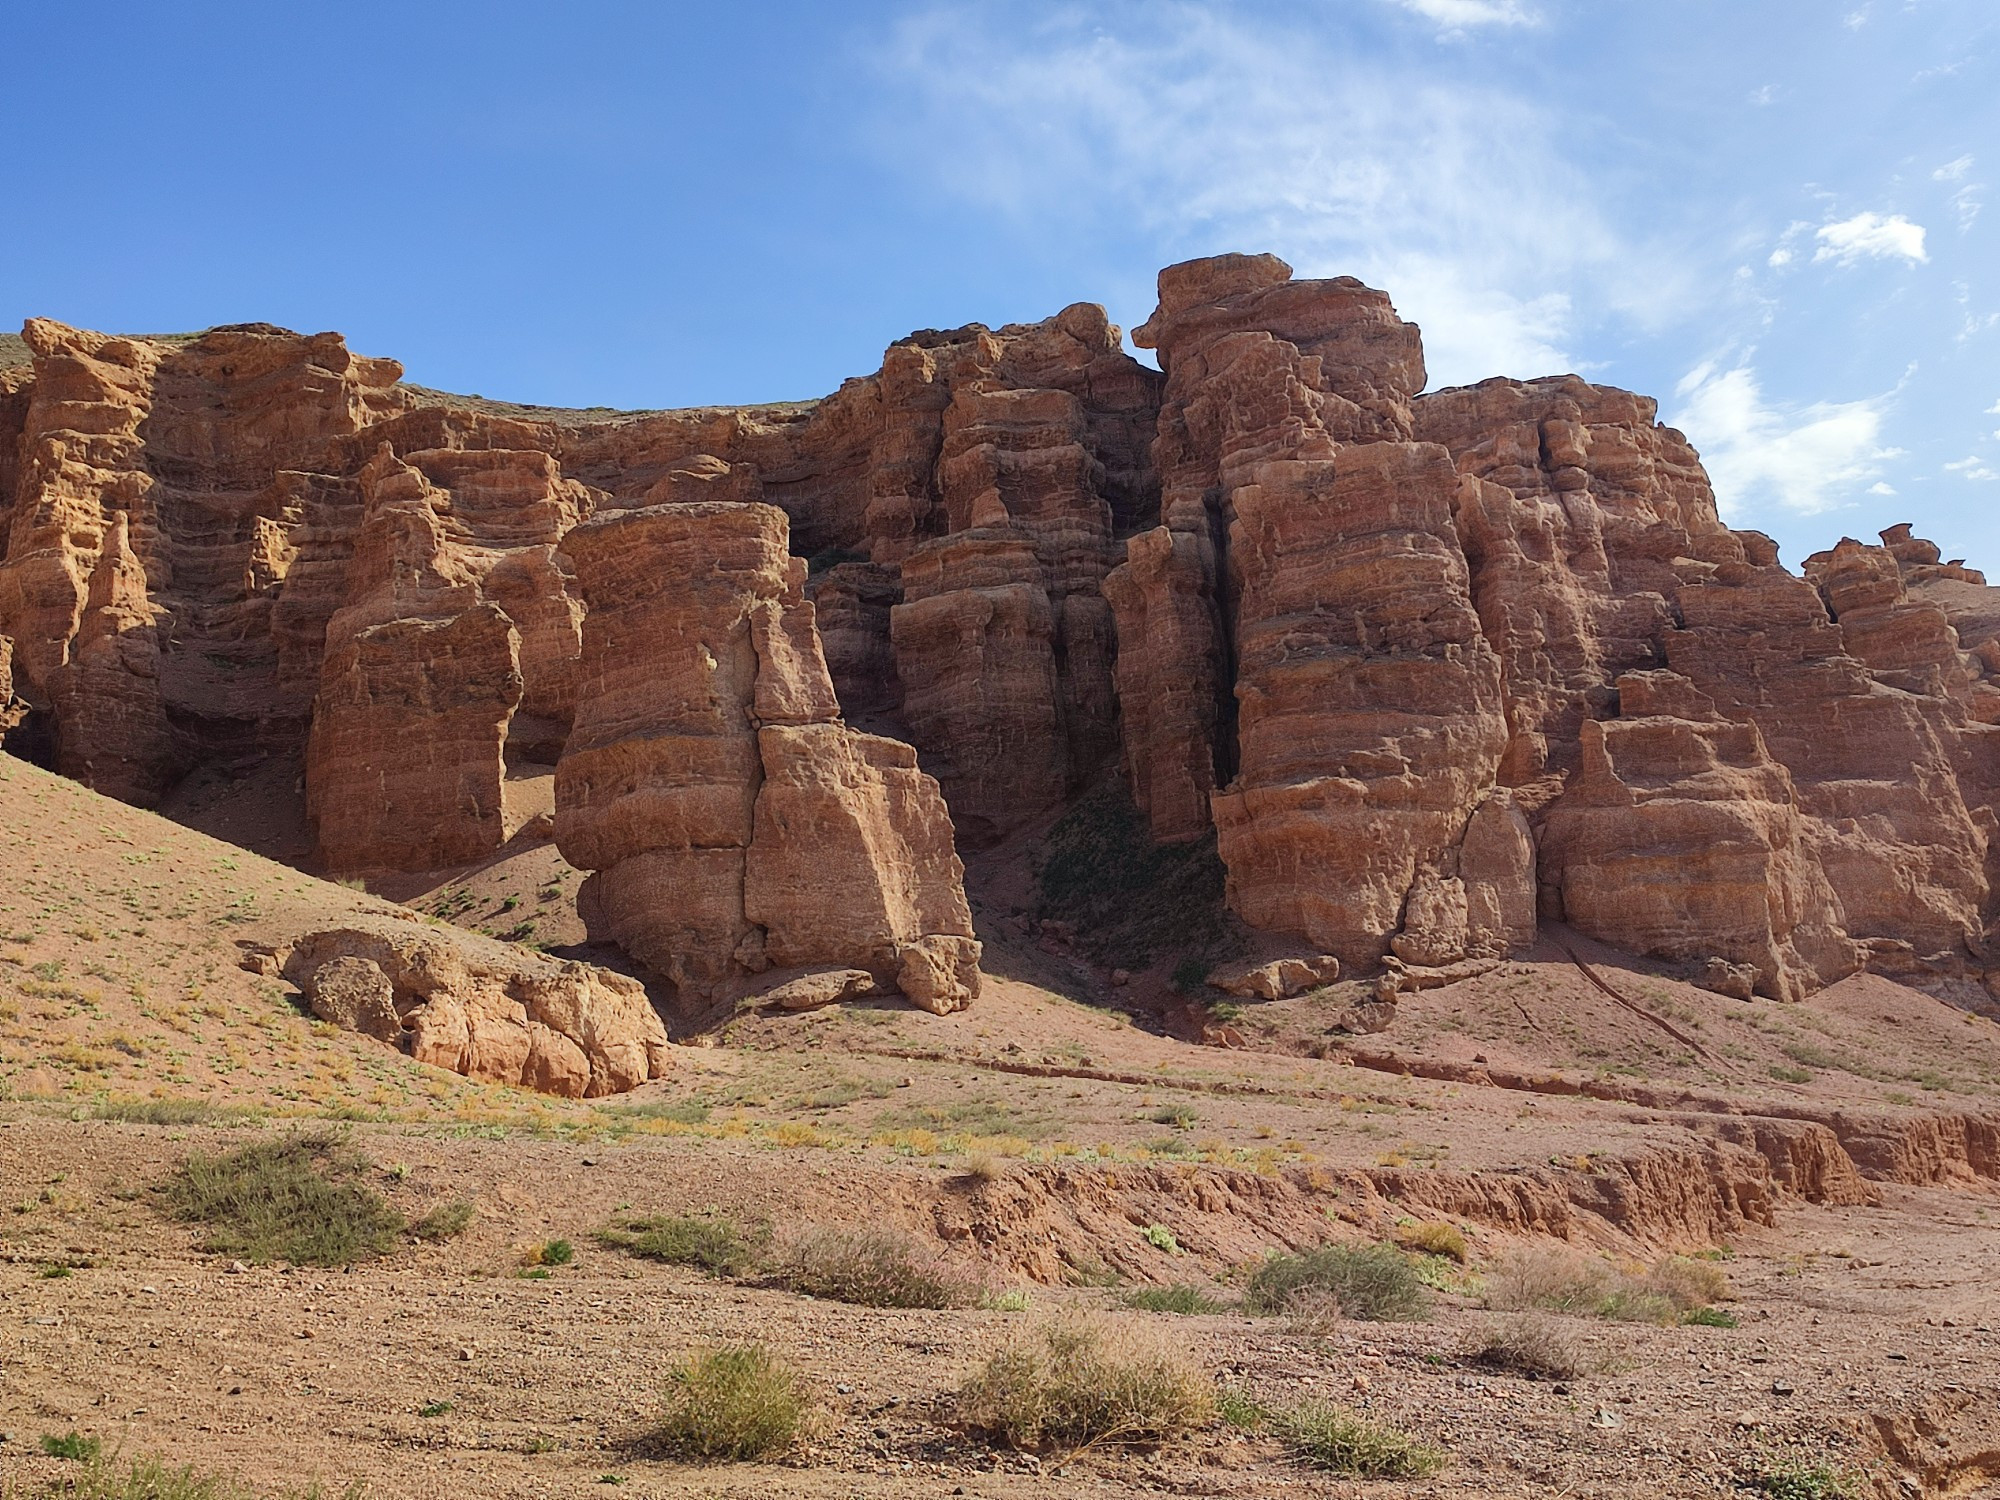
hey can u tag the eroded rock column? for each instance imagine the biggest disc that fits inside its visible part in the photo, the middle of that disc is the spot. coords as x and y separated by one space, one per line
733 821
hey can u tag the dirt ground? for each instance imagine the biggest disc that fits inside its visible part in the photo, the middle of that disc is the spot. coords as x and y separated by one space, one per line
1840 1159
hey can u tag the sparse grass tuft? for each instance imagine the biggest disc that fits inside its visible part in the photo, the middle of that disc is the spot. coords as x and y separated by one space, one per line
445 1222
157 1111
1536 1345
72 1445
1710 1317
716 1246
1173 1299
1334 1439
549 1253
1795 1477
1074 1383
870 1268
296 1199
1236 1407
1447 1240
731 1405
1373 1283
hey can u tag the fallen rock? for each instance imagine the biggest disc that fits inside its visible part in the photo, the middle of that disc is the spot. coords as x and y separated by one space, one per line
824 987
1277 978
480 1008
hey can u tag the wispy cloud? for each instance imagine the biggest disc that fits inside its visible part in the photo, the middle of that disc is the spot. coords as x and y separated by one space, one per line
1204 133
1455 16
1972 468
1953 171
1805 460
1871 236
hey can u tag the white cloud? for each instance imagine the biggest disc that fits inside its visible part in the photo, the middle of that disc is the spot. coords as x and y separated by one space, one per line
1972 468
1203 132
1879 488
1763 95
1456 15
1871 236
1758 455
1856 19
1993 410
1953 171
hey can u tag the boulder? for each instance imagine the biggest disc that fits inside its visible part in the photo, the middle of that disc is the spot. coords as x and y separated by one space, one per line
482 1008
821 987
1276 978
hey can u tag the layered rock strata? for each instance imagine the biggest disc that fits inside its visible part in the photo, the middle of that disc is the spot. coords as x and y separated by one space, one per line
733 822
1426 667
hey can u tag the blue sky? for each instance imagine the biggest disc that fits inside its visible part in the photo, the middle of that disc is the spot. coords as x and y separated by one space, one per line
1779 217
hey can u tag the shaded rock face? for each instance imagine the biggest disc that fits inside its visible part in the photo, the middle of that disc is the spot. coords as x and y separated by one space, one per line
1428 667
484 1009
732 820
969 498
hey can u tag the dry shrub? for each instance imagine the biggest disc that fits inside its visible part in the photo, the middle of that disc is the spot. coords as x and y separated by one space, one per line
1535 1345
1688 1283
1086 1380
1552 1277
1557 1279
1312 1312
1447 1240
1374 1283
731 1405
871 1268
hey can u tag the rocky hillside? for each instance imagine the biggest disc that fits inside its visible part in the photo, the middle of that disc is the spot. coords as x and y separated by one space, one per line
1428 669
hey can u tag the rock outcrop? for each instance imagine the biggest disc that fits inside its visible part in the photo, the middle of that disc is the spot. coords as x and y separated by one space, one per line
484 1009
1427 668
732 820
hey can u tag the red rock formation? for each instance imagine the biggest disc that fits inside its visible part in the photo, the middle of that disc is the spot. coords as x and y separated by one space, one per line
112 731
482 1008
732 820
1421 663
1681 836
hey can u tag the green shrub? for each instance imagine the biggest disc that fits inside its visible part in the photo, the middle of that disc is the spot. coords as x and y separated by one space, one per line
72 1445
1173 1299
1334 1439
731 1405
1374 1283
445 1222
548 1253
298 1199
1081 1381
870 1268
712 1245
1133 900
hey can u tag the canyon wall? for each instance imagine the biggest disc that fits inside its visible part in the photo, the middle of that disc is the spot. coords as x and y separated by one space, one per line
1427 668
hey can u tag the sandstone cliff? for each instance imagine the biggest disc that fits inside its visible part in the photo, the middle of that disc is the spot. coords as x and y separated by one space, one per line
1425 667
